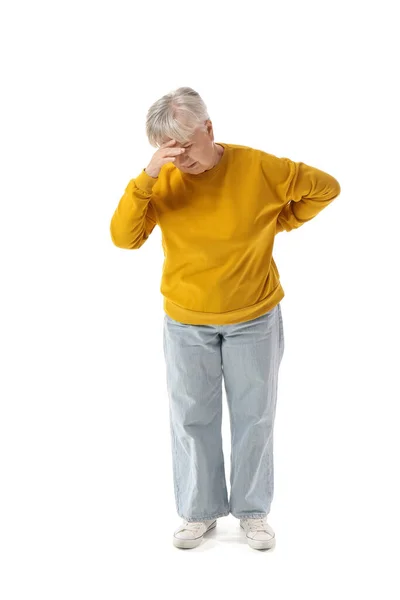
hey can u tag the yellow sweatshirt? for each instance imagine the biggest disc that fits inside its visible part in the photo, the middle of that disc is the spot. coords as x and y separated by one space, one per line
218 230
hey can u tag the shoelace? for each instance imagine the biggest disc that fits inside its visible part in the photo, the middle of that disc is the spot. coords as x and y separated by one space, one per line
258 524
194 526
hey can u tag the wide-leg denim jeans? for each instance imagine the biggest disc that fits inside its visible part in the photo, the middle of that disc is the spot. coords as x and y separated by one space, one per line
247 357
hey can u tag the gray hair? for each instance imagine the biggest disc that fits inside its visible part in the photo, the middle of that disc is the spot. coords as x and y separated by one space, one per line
162 117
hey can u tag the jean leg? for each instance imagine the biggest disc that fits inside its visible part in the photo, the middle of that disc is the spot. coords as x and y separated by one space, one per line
251 354
194 382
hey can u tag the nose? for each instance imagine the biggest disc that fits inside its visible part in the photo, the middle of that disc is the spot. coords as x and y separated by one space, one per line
186 158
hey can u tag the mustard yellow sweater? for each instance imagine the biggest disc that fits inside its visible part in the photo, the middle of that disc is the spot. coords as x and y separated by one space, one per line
218 230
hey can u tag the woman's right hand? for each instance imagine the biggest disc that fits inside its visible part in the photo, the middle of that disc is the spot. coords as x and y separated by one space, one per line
166 153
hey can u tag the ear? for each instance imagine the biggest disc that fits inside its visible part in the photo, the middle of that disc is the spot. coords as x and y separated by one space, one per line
210 129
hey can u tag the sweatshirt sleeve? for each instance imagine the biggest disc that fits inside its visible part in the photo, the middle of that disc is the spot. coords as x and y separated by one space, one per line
305 191
134 218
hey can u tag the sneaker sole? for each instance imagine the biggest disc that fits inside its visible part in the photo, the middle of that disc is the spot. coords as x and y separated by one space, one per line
260 544
181 543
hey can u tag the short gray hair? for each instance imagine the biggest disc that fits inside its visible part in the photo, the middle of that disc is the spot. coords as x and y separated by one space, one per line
162 117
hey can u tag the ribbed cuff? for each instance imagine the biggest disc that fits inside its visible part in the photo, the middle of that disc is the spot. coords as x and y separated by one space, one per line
145 182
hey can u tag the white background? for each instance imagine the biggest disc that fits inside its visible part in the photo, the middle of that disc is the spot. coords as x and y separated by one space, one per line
87 507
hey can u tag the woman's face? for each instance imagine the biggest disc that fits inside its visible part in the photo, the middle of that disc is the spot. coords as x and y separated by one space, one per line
199 151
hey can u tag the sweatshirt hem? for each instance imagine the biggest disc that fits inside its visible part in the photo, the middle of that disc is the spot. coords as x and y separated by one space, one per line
247 313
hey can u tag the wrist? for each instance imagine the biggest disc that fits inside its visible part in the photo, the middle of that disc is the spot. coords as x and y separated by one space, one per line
151 173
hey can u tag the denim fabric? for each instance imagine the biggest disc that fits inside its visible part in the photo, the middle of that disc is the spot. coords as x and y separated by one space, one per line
247 357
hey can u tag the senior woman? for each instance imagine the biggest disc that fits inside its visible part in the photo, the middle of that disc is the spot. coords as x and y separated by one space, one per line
219 207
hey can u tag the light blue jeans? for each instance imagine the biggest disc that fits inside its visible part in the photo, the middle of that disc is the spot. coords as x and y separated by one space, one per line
247 356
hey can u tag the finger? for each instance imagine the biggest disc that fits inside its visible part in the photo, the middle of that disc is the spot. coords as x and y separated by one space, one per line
174 151
169 143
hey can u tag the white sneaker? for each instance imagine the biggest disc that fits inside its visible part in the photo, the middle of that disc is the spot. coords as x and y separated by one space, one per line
190 533
259 534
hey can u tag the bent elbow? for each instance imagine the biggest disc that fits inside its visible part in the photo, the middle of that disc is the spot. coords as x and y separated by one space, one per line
336 189
125 242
